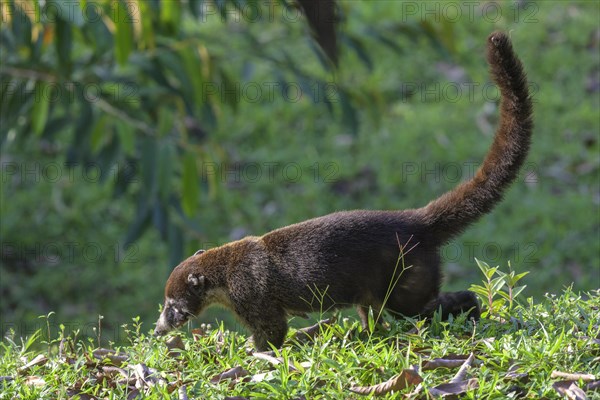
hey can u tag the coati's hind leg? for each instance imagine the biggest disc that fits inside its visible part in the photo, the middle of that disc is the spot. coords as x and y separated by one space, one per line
363 313
454 303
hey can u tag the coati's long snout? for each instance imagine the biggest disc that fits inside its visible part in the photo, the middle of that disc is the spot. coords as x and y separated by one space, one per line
372 259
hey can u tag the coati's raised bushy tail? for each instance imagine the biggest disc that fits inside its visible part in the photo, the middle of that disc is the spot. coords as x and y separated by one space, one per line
451 213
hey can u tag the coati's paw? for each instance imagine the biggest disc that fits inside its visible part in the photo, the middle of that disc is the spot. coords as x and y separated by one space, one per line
455 303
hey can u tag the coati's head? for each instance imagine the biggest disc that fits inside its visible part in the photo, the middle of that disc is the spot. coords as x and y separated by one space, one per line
185 295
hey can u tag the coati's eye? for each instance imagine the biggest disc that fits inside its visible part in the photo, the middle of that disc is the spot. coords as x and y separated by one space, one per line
177 316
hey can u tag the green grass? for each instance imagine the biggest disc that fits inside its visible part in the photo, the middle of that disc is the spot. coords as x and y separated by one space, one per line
550 228
560 333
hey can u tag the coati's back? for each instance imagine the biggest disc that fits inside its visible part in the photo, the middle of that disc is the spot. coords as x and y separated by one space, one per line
357 250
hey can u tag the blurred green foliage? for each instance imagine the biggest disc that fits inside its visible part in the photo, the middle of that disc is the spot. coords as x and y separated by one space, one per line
135 132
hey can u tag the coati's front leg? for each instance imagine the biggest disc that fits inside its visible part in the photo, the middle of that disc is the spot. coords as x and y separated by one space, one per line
267 328
454 303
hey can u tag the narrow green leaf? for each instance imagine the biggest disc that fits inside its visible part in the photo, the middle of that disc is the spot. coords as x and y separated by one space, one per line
491 272
517 291
176 243
166 159
194 6
447 33
64 43
165 121
504 295
67 10
126 137
146 13
349 113
41 105
371 320
170 14
480 290
193 68
96 29
80 144
124 31
359 48
141 221
99 134
160 219
519 276
498 304
497 284
190 189
231 91
149 167
36 11
483 266
557 344
20 25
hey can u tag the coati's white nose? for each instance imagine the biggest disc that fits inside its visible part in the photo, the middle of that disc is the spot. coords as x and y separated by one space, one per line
162 327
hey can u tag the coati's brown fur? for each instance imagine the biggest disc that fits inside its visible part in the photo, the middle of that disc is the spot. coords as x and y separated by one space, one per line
355 257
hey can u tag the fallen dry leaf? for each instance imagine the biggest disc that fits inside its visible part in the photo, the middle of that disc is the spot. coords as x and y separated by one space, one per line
198 333
595 385
77 394
263 376
35 381
133 394
38 361
446 362
111 371
407 378
232 373
311 332
182 393
513 374
422 350
572 377
462 372
143 375
454 388
174 344
148 377
569 389
268 357
458 384
113 356
219 341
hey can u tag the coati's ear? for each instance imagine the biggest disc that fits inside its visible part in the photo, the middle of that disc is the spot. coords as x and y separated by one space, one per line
196 281
199 252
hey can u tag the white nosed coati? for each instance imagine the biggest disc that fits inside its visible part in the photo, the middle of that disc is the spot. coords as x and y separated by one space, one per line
352 257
